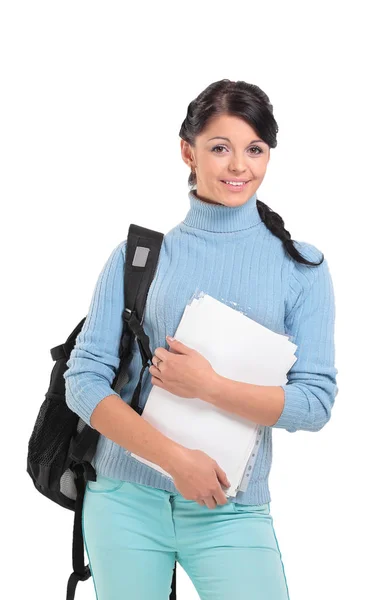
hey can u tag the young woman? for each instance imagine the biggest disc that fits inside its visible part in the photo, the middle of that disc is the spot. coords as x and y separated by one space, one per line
136 521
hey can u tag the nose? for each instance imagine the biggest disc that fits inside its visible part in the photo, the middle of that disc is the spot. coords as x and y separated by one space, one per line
236 164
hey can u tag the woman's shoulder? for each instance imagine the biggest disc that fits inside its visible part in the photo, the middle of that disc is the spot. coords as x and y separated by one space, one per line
121 247
308 251
303 276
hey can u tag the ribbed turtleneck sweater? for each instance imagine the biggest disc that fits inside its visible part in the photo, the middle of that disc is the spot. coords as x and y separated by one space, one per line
228 253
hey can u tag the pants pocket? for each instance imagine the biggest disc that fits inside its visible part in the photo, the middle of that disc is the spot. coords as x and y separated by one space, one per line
263 509
104 485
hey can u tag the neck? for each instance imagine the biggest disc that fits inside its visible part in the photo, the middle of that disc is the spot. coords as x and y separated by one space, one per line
219 218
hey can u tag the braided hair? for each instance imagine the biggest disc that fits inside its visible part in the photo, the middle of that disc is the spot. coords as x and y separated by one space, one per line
249 102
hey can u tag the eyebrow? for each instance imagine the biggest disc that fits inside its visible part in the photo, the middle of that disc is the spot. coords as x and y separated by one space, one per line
220 137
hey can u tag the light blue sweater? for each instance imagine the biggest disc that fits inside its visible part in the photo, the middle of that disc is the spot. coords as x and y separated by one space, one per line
229 254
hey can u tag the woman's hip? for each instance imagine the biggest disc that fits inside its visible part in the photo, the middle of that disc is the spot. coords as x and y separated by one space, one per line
126 523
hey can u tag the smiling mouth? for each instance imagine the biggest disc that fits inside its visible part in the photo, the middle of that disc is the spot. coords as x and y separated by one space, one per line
236 184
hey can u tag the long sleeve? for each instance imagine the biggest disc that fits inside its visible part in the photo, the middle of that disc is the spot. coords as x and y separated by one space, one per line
94 359
311 388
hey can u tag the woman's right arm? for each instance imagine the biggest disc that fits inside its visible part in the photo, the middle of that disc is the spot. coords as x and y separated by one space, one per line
93 364
196 475
120 423
92 367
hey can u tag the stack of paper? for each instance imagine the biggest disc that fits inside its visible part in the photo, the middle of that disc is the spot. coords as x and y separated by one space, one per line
238 348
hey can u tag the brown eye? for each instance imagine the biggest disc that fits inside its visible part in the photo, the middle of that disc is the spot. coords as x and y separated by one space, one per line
217 147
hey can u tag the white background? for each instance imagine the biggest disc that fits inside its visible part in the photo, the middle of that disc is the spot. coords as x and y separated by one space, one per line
93 96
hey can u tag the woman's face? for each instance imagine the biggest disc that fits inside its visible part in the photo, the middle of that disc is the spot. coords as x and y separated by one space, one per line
243 155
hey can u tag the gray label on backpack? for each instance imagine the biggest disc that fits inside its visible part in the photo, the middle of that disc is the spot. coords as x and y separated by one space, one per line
140 257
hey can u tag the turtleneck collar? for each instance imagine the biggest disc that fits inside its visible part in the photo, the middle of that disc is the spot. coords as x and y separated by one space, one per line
219 218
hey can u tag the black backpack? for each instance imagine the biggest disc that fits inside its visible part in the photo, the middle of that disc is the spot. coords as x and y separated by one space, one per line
62 445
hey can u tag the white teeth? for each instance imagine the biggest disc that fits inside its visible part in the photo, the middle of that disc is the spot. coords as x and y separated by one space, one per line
236 182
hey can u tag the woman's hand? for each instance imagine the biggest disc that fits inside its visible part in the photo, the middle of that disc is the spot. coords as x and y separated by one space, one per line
183 371
198 477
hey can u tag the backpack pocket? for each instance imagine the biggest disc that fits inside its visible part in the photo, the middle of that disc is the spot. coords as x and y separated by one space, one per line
104 485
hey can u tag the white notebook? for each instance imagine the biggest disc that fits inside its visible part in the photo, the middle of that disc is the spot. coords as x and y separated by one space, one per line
238 348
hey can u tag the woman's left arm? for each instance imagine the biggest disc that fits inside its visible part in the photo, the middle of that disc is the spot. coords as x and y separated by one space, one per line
311 388
306 400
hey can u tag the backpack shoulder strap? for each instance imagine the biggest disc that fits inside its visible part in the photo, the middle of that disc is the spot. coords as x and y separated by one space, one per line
142 255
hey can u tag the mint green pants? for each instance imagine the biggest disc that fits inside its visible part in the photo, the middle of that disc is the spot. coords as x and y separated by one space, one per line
133 534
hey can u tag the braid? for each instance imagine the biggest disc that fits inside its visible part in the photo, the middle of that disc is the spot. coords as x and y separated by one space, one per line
276 225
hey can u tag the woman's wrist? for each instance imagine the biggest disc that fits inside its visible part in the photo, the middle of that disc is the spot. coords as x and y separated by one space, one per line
172 456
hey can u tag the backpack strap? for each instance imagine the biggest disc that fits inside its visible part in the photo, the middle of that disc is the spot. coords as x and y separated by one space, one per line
80 571
142 256
64 350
